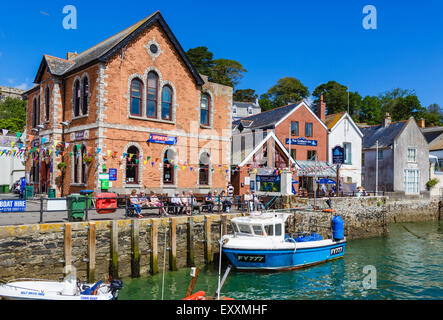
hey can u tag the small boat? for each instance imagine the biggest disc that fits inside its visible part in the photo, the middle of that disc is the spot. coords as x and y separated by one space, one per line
34 289
259 243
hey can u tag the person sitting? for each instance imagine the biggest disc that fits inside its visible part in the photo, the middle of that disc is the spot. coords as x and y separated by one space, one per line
193 201
143 199
135 203
177 203
226 202
155 202
187 204
210 201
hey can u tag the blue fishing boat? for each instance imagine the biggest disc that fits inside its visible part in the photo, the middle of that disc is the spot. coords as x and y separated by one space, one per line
259 243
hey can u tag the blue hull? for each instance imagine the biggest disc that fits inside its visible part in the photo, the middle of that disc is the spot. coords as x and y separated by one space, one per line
284 259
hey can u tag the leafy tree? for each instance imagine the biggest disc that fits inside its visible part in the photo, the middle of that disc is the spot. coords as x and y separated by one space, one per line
287 90
13 114
371 110
432 115
227 72
265 102
201 59
335 95
245 95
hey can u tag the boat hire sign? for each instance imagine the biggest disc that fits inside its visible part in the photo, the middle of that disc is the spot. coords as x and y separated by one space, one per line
302 142
156 138
12 205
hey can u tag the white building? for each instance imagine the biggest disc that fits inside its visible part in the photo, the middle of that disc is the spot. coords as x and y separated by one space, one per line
344 132
12 168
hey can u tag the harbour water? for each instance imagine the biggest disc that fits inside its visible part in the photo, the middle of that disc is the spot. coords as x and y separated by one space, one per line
406 264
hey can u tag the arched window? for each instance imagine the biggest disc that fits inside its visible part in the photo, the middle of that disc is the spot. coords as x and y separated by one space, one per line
83 154
76 98
47 103
168 167
76 155
85 95
203 173
132 165
34 113
151 106
167 103
205 106
136 97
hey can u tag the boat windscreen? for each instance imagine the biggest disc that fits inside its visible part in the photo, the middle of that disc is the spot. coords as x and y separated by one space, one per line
244 228
269 229
278 229
258 230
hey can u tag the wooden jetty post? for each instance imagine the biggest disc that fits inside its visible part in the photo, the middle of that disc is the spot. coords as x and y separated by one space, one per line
68 249
91 252
208 246
135 246
173 244
190 244
113 267
154 246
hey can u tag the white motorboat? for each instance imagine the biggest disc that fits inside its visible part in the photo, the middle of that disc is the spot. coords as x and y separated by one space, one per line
33 289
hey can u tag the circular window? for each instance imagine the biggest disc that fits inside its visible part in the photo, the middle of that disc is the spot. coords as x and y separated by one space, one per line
153 48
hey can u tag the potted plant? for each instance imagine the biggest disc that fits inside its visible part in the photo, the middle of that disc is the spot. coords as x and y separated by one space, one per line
431 183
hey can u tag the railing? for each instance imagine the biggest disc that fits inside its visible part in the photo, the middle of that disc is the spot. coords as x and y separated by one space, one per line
320 194
166 206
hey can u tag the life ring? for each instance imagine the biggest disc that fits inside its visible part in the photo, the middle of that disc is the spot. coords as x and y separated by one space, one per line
328 210
199 295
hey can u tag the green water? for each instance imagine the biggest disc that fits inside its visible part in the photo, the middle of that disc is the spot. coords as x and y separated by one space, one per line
408 264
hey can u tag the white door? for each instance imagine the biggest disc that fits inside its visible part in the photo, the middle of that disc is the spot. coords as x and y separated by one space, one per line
411 181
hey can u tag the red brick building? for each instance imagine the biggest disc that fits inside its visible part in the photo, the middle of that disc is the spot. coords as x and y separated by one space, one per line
301 131
133 106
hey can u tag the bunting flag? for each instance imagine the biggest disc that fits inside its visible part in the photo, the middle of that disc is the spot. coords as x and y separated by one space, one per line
5 132
18 134
98 150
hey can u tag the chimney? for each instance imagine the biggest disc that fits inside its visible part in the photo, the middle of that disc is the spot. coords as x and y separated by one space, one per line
71 55
387 120
321 109
421 123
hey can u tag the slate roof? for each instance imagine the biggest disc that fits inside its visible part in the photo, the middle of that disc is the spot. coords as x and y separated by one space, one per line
245 104
266 119
102 51
385 136
431 133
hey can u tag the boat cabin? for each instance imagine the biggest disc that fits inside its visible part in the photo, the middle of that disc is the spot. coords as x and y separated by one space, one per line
266 225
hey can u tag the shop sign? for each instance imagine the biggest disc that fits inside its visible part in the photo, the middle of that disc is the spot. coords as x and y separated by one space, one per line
302 142
12 205
156 138
112 174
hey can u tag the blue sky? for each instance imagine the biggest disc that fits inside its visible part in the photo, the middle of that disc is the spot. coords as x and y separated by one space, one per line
314 41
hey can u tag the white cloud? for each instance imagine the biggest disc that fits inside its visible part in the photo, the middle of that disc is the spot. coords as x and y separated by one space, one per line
22 86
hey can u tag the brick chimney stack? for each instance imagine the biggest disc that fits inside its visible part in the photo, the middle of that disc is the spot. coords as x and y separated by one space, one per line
387 120
321 109
71 55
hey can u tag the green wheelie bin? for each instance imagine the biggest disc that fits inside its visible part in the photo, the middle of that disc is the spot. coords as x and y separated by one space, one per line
76 206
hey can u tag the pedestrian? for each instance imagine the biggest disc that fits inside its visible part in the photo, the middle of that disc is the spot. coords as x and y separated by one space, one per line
226 202
248 201
209 201
135 203
230 190
187 204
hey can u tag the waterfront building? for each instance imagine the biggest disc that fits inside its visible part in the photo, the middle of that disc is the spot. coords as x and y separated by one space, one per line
128 113
299 130
244 109
345 133
401 153
11 162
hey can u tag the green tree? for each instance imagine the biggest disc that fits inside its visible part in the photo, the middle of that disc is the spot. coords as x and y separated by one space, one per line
265 102
201 59
432 115
13 114
335 95
227 72
287 90
245 95
371 110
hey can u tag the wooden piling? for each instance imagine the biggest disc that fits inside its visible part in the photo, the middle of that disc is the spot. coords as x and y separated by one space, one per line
190 244
173 245
135 246
91 251
154 247
113 266
68 249
224 224
208 245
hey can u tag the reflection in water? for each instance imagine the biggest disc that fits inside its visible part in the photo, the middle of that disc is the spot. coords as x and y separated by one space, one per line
407 267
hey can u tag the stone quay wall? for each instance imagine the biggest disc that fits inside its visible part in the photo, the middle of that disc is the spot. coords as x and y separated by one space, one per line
133 248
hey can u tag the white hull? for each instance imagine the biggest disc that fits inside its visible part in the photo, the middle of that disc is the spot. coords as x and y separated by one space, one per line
52 290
